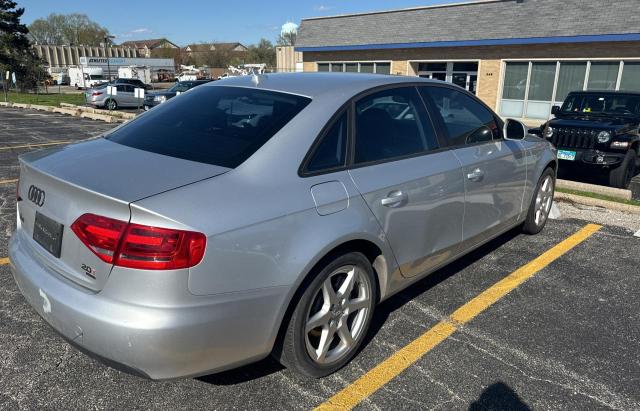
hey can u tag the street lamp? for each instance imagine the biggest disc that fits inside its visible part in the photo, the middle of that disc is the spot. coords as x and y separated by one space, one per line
107 39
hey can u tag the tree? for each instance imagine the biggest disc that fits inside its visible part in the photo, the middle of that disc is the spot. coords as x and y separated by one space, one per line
16 54
71 29
287 38
264 52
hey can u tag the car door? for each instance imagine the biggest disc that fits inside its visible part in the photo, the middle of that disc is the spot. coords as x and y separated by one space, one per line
414 189
125 95
494 169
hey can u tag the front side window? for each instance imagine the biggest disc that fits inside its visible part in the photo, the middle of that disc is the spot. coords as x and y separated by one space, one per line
215 125
332 151
392 123
466 120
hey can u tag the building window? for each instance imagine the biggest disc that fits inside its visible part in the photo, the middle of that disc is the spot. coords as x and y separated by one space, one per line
360 67
460 73
603 76
571 78
630 77
515 87
531 88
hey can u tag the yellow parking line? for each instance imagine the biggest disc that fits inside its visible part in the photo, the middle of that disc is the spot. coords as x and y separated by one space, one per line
51 143
8 181
387 370
4 261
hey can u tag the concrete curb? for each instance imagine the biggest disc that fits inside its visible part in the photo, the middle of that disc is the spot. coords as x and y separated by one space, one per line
115 114
41 107
592 188
596 202
101 117
76 111
68 111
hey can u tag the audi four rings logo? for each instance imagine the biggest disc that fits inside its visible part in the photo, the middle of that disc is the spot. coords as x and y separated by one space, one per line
36 196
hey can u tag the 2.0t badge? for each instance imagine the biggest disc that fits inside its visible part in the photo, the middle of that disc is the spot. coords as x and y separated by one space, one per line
36 196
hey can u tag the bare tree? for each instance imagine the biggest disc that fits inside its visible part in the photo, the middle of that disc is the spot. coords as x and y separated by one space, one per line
71 29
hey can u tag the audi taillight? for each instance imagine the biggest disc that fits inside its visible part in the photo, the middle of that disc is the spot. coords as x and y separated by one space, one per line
139 246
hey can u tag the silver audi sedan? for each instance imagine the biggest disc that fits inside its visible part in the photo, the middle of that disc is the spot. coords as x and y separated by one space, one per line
266 215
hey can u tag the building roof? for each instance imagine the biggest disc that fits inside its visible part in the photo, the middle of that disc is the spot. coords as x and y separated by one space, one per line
204 47
484 22
150 44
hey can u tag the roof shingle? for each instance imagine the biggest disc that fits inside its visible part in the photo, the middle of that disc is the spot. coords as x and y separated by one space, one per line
479 20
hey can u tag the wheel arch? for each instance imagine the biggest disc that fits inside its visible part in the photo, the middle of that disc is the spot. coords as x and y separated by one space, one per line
368 247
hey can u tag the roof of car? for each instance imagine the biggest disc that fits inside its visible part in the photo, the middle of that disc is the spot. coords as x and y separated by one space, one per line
316 84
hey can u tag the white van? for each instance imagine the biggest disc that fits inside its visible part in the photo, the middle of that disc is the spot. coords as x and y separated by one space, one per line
86 77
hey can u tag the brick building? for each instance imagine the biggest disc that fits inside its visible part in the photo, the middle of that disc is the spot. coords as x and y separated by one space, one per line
519 56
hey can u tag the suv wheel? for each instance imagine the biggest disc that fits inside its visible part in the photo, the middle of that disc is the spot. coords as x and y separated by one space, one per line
540 203
331 319
621 176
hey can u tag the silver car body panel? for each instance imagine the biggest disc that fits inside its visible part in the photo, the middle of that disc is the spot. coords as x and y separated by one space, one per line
267 227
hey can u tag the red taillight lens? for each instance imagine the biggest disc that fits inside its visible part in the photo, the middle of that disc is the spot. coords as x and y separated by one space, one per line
101 234
96 93
154 248
139 246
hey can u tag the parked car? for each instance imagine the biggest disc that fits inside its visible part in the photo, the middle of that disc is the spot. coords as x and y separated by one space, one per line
598 130
137 83
266 215
125 97
153 99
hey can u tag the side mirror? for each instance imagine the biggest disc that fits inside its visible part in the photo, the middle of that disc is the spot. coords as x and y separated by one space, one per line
555 110
514 130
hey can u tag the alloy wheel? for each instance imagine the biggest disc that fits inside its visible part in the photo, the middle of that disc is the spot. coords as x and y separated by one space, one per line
338 314
544 198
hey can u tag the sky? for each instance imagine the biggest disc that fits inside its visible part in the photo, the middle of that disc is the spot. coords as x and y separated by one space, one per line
194 21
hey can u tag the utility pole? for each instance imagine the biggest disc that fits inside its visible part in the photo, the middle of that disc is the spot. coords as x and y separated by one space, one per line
107 39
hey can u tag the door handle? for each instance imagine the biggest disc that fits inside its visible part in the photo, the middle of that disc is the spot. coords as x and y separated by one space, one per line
394 199
475 175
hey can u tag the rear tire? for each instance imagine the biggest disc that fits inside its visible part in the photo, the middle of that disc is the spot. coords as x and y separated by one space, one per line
540 203
621 176
331 318
111 104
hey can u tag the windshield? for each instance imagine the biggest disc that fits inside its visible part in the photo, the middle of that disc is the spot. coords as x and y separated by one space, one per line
215 125
602 103
179 87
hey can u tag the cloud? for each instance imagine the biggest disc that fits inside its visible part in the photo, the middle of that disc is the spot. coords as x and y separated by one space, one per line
323 7
134 33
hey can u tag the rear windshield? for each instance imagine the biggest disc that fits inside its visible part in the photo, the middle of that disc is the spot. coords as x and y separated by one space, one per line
215 125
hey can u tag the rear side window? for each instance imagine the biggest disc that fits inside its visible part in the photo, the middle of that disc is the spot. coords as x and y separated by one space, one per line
215 125
331 152
466 120
392 123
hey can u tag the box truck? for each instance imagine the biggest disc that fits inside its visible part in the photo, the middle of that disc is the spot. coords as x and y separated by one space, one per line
85 77
142 73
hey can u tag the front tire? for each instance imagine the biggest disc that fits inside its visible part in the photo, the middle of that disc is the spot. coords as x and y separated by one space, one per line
541 203
331 319
621 176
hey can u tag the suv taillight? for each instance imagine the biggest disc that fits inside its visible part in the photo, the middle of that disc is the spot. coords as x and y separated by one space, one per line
139 246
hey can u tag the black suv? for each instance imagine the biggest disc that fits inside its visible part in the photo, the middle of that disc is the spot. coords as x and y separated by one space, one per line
153 99
132 81
598 129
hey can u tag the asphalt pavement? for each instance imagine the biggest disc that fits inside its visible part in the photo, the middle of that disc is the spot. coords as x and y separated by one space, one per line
566 338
